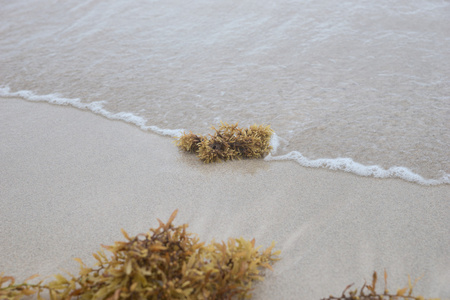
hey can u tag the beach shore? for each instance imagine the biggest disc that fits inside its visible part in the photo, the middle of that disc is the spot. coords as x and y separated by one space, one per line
70 180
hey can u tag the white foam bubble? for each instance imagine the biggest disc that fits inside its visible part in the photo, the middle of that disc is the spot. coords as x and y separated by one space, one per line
274 142
349 165
95 107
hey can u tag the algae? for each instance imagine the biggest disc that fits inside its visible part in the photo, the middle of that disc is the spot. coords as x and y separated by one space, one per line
369 292
166 263
228 142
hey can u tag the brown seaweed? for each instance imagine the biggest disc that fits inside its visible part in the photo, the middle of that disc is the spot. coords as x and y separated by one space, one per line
228 142
166 263
189 142
368 292
13 291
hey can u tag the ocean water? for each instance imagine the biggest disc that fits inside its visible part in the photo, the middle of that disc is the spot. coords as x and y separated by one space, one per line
358 86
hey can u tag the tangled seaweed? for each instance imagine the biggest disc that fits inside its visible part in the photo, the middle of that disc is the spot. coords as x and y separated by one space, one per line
165 263
368 292
228 142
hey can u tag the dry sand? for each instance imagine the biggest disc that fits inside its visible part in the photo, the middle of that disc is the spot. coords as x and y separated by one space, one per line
70 180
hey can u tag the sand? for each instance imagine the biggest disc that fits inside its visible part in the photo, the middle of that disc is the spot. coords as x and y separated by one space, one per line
71 179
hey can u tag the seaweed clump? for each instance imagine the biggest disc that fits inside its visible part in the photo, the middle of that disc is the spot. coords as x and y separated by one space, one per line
228 142
165 263
368 292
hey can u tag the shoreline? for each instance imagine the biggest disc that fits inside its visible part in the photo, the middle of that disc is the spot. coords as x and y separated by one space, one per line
346 164
72 179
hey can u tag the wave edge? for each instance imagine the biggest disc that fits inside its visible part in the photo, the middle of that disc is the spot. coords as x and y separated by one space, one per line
339 164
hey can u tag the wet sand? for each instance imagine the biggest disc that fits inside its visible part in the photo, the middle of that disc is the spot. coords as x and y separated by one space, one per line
71 179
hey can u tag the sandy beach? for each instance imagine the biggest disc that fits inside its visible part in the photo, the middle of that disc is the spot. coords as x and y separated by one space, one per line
70 180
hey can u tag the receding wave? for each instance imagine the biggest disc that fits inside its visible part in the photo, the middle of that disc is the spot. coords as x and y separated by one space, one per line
341 164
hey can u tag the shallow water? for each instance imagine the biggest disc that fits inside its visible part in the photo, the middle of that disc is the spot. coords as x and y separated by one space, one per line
364 80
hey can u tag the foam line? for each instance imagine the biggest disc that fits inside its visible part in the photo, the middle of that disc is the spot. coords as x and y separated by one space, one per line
95 107
349 165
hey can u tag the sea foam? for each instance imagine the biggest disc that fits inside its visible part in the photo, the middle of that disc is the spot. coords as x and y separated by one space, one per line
95 107
341 164
349 165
